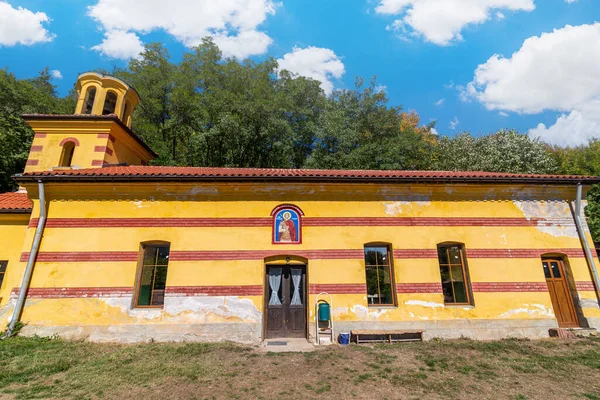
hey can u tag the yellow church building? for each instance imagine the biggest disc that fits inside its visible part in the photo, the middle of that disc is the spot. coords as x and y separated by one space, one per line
99 245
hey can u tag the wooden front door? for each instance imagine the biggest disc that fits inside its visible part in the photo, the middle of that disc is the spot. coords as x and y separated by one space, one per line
562 301
286 301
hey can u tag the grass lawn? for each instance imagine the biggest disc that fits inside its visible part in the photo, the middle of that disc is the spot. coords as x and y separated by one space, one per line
462 369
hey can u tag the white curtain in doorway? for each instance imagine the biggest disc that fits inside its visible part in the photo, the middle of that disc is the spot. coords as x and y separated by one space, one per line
296 279
275 283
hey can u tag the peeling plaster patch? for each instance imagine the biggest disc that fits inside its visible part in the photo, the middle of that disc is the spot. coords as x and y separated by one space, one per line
555 216
533 310
202 190
366 313
192 309
428 304
339 311
395 208
588 303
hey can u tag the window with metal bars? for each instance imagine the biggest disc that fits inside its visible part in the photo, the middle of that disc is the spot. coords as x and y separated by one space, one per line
3 265
152 277
380 276
454 274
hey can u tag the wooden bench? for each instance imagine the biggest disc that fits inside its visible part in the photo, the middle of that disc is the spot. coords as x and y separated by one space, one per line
386 336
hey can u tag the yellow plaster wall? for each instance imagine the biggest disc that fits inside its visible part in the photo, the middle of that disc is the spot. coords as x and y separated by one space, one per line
343 201
13 228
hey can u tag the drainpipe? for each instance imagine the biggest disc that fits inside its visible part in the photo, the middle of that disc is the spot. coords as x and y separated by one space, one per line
30 262
586 247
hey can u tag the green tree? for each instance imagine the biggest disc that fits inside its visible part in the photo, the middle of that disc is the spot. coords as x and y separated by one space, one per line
358 130
584 160
503 151
17 97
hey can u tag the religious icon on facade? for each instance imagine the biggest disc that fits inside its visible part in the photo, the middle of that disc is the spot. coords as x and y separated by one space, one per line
286 226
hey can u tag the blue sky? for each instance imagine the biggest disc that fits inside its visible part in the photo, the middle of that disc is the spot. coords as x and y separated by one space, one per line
432 56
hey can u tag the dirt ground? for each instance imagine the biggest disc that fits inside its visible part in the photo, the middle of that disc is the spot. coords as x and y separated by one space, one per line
463 369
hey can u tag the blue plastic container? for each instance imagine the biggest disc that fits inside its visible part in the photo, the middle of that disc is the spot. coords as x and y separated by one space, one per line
344 339
324 313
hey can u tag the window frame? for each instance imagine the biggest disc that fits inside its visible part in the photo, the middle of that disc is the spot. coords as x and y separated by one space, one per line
3 274
140 270
465 273
390 266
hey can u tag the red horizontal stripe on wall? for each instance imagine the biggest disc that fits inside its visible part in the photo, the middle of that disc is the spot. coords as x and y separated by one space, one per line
100 149
325 254
419 221
585 286
33 162
102 256
98 256
74 292
106 136
97 163
245 290
37 148
252 222
520 253
341 288
419 288
261 254
415 253
152 222
509 286
40 135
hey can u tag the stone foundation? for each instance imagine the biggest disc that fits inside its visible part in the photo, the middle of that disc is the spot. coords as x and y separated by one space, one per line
251 333
478 329
235 332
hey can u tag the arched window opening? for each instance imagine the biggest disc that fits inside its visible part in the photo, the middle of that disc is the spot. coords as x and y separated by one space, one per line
66 157
90 96
110 103
125 112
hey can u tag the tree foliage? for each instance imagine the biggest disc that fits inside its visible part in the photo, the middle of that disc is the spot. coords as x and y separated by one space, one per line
17 97
207 110
503 151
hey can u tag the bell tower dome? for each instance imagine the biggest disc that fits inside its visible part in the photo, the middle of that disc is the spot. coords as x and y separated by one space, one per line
105 95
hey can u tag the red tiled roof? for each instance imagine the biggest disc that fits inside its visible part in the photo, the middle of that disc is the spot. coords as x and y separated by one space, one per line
15 203
151 173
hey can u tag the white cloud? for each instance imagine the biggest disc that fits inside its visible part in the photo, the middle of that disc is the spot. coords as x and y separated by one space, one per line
503 114
56 74
440 102
574 128
380 88
557 71
318 63
442 21
22 26
434 131
232 23
454 123
120 44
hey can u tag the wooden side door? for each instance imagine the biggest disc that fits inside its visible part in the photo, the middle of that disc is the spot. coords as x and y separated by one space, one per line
562 301
286 301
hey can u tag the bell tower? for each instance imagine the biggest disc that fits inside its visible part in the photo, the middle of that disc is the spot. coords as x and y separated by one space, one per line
97 134
105 95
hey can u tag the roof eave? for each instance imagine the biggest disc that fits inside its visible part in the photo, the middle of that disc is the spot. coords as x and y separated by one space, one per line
292 179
